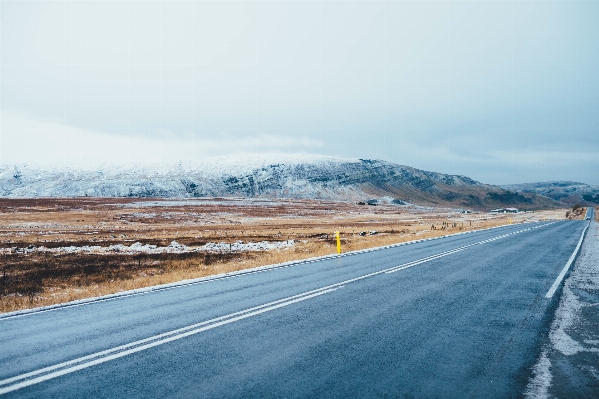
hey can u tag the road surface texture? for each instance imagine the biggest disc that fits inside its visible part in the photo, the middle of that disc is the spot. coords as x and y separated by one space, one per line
568 366
461 316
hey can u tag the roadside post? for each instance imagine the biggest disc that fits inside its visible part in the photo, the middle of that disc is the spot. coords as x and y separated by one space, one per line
338 242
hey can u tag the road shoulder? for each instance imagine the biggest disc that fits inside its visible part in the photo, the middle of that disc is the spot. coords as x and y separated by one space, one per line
569 362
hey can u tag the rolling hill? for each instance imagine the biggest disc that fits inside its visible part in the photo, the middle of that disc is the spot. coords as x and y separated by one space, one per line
281 176
567 192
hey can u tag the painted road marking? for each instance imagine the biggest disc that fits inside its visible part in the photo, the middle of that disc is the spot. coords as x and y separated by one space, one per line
57 370
562 274
202 280
442 254
71 366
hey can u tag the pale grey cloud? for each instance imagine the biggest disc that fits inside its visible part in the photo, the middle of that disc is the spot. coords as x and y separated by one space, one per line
37 141
452 86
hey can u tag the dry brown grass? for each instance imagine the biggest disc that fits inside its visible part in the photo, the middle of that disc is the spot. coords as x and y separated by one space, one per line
38 279
577 213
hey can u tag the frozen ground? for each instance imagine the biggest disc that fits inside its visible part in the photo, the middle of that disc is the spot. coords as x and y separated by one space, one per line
174 247
569 363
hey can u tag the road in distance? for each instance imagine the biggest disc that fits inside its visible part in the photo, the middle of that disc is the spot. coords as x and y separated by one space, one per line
461 316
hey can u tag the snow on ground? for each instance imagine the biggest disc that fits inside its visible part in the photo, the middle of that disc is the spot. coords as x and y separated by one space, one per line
569 363
203 202
275 175
246 163
267 176
250 246
174 247
208 167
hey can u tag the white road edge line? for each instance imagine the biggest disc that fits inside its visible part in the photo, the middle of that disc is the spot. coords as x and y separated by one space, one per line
562 274
452 251
137 346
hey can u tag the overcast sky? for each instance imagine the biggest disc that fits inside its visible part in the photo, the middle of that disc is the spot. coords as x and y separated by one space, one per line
503 92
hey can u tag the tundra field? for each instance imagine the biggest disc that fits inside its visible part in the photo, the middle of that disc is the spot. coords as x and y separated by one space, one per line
58 250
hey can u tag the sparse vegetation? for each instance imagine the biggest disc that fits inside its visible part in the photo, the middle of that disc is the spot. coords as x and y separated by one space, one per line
29 279
578 212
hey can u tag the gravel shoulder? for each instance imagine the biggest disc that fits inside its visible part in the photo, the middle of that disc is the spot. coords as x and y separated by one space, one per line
568 366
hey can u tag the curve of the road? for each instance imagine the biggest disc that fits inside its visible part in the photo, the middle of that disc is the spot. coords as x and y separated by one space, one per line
461 316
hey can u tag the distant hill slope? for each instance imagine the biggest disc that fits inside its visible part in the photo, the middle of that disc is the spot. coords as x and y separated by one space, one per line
567 192
289 176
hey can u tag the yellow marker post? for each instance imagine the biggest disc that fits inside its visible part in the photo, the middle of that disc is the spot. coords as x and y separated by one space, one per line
510 220
338 242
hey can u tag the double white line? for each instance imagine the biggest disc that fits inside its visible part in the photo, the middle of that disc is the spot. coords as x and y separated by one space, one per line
428 259
57 370
453 251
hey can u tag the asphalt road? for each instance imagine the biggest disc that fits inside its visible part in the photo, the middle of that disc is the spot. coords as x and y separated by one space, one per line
462 316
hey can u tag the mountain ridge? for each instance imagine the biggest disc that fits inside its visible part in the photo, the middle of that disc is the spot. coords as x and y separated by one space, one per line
567 192
273 176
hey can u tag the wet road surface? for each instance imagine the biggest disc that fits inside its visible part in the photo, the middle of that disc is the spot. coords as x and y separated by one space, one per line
460 316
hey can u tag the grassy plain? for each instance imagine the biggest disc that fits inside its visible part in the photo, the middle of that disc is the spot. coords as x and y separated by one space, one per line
32 276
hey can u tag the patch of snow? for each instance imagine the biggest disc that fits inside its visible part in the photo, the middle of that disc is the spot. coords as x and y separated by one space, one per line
250 246
566 316
584 276
173 247
145 215
140 247
72 249
538 387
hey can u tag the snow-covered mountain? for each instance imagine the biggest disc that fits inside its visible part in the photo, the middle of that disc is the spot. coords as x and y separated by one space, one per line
279 176
568 192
